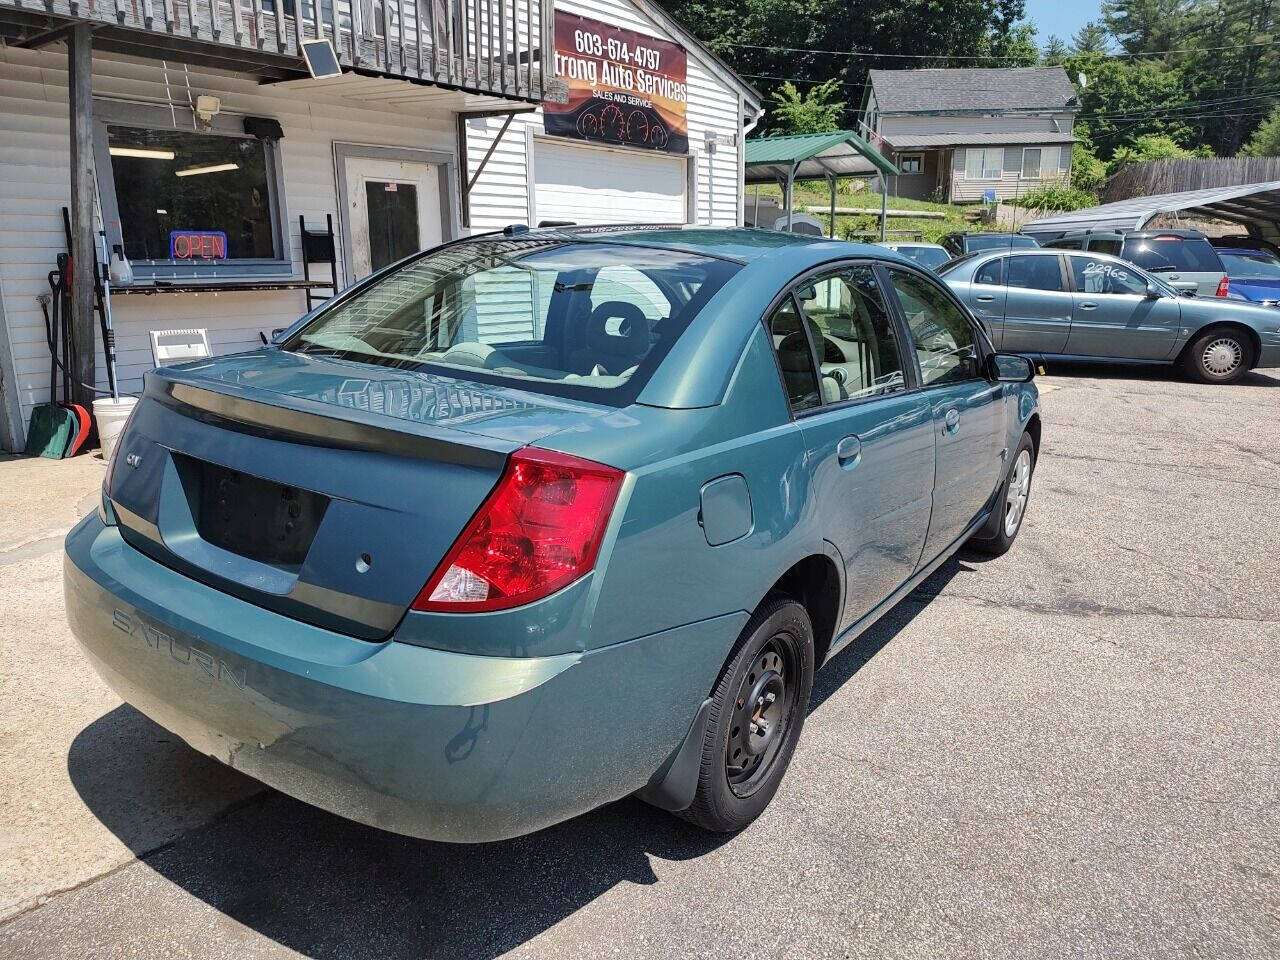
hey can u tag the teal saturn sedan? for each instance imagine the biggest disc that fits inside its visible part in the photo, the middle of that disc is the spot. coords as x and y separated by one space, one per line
1093 306
537 520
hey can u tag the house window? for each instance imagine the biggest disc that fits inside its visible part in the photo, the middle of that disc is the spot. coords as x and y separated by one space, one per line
192 204
983 163
1039 162
911 163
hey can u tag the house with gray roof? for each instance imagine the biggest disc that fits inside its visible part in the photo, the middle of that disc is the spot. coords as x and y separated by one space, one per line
968 135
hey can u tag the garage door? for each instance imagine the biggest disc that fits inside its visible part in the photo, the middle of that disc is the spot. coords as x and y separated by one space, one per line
593 185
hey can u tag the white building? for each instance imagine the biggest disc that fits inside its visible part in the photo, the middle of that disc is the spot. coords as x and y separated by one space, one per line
402 151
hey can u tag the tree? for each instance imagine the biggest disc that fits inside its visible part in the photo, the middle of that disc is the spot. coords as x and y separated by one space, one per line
1087 171
1054 52
1152 147
1014 48
815 111
1091 38
771 42
1147 26
1265 141
1122 100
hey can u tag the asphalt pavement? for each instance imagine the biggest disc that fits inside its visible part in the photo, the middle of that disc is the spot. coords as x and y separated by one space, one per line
1069 751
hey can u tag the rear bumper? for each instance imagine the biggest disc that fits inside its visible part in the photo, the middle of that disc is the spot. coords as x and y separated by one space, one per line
425 742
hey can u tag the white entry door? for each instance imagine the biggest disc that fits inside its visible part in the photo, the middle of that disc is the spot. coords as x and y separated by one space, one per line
394 211
581 184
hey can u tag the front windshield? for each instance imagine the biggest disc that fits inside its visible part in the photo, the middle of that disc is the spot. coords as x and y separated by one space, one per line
1250 264
550 314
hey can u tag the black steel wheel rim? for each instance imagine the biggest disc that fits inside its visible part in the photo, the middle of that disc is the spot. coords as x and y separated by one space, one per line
760 714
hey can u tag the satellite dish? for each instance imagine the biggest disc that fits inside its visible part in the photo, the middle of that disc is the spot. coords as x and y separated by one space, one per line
321 60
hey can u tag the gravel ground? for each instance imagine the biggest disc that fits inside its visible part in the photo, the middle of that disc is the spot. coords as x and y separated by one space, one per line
1067 751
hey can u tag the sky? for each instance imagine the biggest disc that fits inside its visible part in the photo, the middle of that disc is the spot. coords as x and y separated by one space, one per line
1061 17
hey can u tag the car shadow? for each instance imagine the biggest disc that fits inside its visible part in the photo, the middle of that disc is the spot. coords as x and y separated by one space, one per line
1145 371
328 887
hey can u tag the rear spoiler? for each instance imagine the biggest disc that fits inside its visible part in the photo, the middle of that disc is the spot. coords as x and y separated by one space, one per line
300 420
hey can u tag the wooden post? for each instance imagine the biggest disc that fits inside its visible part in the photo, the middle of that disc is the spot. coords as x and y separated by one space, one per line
83 236
831 177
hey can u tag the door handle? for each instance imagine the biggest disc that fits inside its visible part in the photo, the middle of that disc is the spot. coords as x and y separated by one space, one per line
985 298
849 452
1088 305
951 422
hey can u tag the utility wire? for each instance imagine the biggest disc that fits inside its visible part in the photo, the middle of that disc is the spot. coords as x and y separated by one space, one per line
977 57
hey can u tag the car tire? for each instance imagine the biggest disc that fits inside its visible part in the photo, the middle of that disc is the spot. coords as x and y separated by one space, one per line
1011 504
1221 355
757 712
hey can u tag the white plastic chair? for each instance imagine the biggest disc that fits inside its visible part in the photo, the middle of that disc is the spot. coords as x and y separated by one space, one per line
175 346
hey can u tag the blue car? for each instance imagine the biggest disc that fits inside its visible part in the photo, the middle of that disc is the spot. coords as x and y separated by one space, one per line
1252 273
534 521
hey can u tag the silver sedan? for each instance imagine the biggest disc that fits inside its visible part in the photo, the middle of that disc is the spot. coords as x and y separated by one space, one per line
1090 306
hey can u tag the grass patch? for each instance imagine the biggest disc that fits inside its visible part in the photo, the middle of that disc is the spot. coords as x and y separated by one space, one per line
867 226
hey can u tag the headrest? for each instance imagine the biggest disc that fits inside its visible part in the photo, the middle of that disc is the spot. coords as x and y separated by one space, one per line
619 329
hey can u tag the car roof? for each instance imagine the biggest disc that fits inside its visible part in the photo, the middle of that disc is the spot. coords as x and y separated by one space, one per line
741 244
1144 234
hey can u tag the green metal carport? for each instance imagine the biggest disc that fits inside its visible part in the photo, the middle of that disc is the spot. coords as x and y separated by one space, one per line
816 156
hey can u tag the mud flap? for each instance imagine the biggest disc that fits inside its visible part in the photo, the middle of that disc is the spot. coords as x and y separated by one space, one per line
676 782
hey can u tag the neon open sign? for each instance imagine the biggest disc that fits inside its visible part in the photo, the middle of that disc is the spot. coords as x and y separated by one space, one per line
197 245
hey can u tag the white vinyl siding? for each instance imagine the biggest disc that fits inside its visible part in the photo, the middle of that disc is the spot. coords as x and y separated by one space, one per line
983 163
35 185
1010 183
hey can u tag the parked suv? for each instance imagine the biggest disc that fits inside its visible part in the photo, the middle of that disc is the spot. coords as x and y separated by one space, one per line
959 244
1184 259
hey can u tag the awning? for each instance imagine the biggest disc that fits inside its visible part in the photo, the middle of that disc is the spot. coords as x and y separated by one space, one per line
1255 205
915 141
814 156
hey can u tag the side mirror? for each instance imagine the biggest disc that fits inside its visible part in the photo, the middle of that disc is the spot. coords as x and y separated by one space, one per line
1011 368
1153 292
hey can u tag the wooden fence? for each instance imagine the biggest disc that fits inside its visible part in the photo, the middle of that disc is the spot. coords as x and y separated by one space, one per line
1191 173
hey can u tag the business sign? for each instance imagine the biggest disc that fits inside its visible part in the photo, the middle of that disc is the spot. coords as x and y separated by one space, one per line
625 88
197 245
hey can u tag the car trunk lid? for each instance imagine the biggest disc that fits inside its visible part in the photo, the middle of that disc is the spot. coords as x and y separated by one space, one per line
325 489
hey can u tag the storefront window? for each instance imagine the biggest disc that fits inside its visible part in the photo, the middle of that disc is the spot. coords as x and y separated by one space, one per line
189 199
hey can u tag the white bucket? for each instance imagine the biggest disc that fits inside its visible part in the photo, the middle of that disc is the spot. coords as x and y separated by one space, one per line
111 416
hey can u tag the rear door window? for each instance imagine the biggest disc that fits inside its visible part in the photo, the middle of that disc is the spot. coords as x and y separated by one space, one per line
795 358
848 319
1033 273
990 272
1171 254
1106 276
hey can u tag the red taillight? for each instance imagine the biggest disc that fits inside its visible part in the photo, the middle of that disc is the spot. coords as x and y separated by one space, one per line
1224 286
539 530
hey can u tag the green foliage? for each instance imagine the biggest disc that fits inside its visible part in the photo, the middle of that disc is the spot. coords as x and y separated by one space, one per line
1123 99
1088 173
1146 26
1054 52
1056 198
1153 147
1017 46
815 111
1265 141
1091 38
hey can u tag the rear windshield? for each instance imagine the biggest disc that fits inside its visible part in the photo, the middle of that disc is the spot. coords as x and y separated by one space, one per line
927 256
1250 264
1169 254
560 316
998 241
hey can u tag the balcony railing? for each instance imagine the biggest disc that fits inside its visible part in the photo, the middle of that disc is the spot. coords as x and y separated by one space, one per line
486 46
